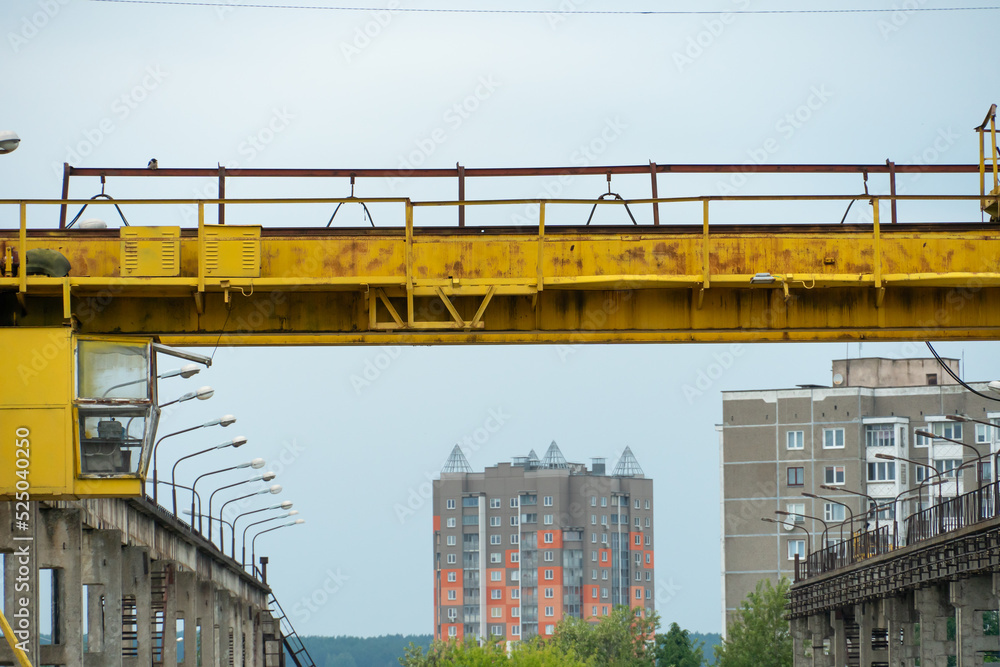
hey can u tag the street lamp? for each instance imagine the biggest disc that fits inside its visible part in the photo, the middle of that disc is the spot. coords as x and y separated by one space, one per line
831 500
213 518
223 421
856 493
283 505
806 516
256 464
274 489
994 386
238 441
243 558
266 477
253 542
932 436
9 141
202 394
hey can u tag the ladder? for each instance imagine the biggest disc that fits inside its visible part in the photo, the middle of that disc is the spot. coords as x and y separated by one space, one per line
293 644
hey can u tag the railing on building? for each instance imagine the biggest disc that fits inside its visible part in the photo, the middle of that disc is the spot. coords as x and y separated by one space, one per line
946 516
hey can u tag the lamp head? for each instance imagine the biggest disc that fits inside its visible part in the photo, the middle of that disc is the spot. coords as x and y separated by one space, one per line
226 420
994 386
275 489
886 457
268 476
809 495
189 370
782 513
257 464
286 504
957 418
9 141
924 434
204 393
292 513
298 521
238 441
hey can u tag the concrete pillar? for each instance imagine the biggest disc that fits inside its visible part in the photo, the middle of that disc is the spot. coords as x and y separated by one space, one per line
971 597
838 645
186 607
901 621
20 577
274 654
167 569
207 619
819 632
102 572
934 609
58 542
136 586
871 625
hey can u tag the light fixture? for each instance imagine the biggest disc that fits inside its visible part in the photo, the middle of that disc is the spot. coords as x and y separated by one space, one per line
9 141
285 504
92 223
256 464
185 371
202 394
238 441
275 489
994 386
762 279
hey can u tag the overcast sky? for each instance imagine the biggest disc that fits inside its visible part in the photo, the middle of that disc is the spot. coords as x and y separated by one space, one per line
363 430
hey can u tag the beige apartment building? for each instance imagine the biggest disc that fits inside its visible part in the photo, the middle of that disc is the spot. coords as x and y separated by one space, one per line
777 444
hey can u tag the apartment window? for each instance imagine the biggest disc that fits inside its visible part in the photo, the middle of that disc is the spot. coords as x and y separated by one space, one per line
451 522
496 558
593 538
593 501
796 512
593 575
833 475
513 502
450 503
649 575
494 521
513 520
593 519
547 501
515 538
604 538
638 575
636 504
649 559
833 512
515 557
647 504
795 440
549 557
604 556
470 501
452 595
451 540
646 521
922 473
796 548
550 611
881 471
515 630
550 629
947 467
795 476
833 438
604 519
604 575
496 630
494 503
638 540
593 556
452 614
638 594
638 559
547 520
548 575
604 596
948 429
451 559
496 576
593 609
649 596
888 510
638 523
649 541
515 575
496 594
604 501
470 520
515 594
547 539
549 593
452 631
880 435
451 576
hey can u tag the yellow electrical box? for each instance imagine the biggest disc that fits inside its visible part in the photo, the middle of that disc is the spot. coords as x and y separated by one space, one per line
150 251
232 252
991 205
77 414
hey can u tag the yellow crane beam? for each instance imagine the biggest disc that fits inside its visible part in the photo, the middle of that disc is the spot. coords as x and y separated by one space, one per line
247 285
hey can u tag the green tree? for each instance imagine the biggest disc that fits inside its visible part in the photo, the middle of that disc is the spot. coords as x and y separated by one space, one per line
620 639
533 653
677 649
758 635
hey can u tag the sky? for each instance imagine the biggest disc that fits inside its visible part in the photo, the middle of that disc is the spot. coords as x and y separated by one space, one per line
364 430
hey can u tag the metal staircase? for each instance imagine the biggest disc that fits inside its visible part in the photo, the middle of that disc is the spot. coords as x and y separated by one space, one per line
294 647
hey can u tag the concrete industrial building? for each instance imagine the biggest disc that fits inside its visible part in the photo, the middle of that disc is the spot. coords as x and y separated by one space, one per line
525 543
776 445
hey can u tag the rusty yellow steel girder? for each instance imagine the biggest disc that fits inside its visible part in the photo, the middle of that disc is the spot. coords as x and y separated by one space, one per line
436 285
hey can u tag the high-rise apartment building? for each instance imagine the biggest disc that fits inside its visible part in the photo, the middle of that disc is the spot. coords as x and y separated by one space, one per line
776 445
525 543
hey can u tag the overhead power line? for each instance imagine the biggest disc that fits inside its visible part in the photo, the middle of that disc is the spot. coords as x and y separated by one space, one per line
440 10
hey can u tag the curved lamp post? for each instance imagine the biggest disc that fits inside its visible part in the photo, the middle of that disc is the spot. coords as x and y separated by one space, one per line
928 434
856 493
826 526
243 560
266 477
213 518
274 489
238 441
837 502
256 464
223 421
253 542
283 505
202 394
